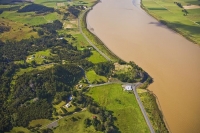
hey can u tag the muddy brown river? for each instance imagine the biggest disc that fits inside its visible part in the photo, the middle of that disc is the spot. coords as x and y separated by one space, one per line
172 61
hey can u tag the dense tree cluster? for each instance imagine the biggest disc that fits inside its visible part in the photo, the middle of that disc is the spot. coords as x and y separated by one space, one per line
26 102
74 10
13 50
178 4
36 8
85 64
71 54
51 27
102 120
104 68
134 74
1 11
45 84
4 28
40 109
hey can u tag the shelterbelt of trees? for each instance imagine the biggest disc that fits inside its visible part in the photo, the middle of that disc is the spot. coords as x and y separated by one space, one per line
36 8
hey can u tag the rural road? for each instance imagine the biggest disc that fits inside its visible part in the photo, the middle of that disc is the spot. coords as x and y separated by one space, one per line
134 86
80 29
55 123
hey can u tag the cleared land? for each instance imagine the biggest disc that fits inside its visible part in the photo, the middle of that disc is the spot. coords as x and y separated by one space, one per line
54 3
96 58
94 78
188 24
19 129
39 57
42 122
18 31
29 18
75 126
123 105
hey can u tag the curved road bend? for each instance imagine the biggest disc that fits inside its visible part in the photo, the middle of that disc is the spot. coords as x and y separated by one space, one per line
80 29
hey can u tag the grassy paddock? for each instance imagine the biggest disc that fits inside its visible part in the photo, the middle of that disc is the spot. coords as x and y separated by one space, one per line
123 105
172 15
94 78
29 69
54 3
18 31
39 57
81 43
19 130
96 58
77 126
42 122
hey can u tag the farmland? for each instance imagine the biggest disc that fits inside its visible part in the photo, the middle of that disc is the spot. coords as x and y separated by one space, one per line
123 105
184 19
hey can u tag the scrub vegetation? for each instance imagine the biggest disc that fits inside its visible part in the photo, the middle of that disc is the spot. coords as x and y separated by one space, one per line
153 111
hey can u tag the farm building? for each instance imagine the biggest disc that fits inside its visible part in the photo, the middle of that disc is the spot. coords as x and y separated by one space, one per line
128 88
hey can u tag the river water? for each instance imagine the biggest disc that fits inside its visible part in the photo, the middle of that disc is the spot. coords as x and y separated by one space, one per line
172 61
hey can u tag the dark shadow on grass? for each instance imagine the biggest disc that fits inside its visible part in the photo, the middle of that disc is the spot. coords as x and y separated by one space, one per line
114 119
157 8
192 29
54 1
157 23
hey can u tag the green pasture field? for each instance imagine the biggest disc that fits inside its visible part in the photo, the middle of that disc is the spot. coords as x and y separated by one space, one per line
29 69
29 18
187 25
42 122
57 107
50 3
124 106
53 3
94 78
39 57
81 42
96 57
77 126
19 130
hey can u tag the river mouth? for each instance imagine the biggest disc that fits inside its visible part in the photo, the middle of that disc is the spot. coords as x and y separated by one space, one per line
172 61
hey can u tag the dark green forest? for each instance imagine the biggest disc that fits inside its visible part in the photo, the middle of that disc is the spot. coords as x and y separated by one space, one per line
36 8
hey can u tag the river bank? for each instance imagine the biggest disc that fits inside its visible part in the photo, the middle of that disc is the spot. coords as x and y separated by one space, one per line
133 35
168 13
156 110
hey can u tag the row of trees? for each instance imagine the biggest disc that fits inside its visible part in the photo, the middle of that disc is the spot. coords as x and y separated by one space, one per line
36 8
